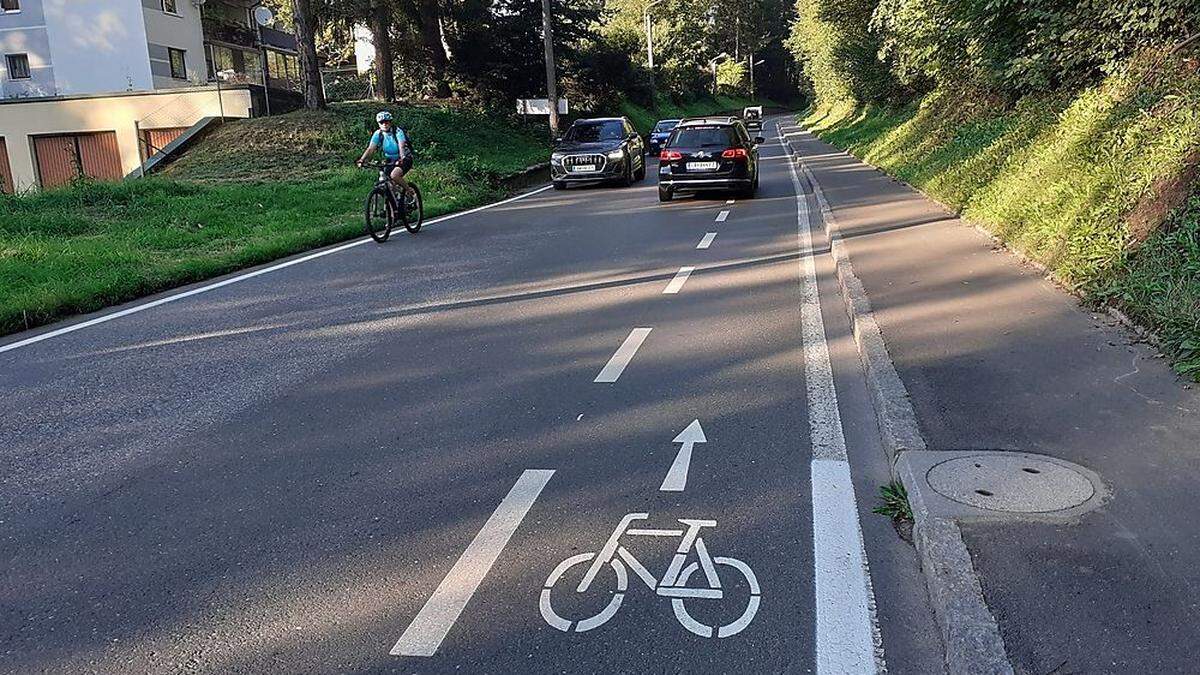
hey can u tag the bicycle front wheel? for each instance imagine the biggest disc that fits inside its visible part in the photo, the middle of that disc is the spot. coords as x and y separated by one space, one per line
379 215
414 209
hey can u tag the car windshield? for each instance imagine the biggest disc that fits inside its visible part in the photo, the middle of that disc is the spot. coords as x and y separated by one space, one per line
703 137
666 125
595 131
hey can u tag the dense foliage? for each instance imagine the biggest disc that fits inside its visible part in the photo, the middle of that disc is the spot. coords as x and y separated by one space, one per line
1004 48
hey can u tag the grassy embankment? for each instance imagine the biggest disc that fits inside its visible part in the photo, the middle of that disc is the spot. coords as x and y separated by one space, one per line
1100 187
253 191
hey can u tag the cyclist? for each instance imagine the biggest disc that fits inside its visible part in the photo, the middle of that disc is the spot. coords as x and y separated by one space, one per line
393 143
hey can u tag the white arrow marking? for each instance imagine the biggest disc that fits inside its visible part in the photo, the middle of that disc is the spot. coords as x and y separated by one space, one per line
707 240
676 478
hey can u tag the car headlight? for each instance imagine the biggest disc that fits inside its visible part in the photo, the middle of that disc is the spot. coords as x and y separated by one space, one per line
557 158
616 154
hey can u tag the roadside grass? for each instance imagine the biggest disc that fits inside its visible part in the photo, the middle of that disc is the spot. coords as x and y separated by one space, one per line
254 191
893 502
1060 180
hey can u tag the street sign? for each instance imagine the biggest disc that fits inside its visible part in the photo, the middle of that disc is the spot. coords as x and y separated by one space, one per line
539 106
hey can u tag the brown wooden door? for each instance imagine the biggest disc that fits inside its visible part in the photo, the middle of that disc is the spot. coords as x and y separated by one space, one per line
6 179
61 159
154 140
57 160
100 156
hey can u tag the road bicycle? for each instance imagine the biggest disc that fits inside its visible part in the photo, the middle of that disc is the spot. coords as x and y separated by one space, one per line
383 206
674 584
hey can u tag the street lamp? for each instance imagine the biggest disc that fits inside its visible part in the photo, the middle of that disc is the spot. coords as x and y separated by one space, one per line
752 64
650 48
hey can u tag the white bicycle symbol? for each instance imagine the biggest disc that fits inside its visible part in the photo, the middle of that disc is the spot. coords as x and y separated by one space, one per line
674 582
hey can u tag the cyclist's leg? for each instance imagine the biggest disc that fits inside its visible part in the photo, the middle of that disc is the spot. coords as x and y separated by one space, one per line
397 175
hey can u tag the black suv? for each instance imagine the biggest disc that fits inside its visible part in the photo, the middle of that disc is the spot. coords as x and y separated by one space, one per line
605 148
709 153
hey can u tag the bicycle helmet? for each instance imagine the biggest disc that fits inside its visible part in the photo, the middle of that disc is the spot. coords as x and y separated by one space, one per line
383 116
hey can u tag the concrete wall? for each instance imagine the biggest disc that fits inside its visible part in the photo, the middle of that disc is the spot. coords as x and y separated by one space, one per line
182 31
98 45
19 120
24 32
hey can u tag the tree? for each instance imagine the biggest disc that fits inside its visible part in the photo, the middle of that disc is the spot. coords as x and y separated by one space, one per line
379 20
304 22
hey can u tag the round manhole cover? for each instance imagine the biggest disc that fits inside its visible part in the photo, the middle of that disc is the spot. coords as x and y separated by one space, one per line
1010 482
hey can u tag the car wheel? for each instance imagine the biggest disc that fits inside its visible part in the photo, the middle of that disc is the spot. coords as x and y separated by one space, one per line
665 194
560 185
627 176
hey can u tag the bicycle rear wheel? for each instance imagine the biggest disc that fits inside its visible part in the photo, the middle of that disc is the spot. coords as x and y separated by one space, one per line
379 215
414 209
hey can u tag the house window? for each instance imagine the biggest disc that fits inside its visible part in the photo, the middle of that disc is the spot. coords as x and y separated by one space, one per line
10 5
170 6
178 66
18 66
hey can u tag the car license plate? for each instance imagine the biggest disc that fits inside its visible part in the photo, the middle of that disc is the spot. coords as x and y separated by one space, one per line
701 166
583 168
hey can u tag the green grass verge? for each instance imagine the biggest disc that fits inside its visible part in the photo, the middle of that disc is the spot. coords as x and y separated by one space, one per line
255 190
1061 179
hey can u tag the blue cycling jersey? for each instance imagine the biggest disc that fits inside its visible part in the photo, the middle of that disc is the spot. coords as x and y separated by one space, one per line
391 143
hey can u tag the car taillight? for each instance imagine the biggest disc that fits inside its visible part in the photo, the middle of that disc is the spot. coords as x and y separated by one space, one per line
734 153
669 155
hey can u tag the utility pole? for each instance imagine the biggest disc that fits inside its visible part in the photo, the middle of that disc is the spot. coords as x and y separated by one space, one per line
551 85
650 50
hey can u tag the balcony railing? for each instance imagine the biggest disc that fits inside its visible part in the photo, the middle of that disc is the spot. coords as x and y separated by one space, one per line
222 31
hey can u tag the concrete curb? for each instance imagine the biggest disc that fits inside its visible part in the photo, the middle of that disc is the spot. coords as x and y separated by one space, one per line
970 635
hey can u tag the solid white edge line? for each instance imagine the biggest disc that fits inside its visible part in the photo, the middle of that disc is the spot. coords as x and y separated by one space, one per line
679 280
242 277
847 631
440 612
624 354
722 216
707 240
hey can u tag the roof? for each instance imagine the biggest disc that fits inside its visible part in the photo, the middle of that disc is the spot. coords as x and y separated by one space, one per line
697 121
590 120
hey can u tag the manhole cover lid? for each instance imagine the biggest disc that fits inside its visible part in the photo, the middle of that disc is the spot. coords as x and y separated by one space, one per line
1010 482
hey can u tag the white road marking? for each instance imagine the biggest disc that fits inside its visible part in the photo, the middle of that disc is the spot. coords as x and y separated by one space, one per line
729 201
847 636
722 216
676 284
624 354
241 277
676 479
707 240
425 634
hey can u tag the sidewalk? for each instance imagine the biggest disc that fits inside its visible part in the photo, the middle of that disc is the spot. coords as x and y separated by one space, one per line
997 358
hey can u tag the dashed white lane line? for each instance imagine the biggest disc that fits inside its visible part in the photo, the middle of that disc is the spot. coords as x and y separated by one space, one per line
624 354
425 634
707 240
722 216
847 636
676 284
729 201
241 277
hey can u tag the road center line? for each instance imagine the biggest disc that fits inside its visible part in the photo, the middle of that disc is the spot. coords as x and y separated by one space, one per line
847 636
722 216
624 354
707 240
676 284
728 201
425 634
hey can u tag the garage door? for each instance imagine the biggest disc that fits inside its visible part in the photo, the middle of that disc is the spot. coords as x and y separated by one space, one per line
154 140
62 158
6 181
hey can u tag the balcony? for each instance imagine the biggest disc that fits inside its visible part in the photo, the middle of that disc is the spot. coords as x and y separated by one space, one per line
230 33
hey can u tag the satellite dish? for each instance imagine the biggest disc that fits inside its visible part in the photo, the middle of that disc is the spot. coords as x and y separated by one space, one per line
263 15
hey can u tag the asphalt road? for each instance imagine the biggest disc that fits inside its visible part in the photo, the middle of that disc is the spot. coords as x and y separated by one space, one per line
376 459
